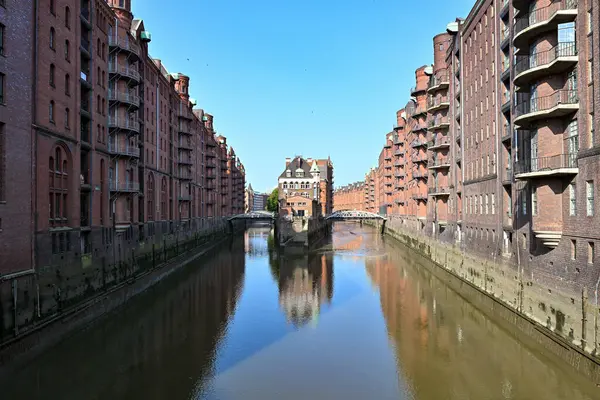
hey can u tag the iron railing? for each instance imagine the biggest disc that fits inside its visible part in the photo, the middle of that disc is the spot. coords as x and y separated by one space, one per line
544 103
437 101
539 164
126 186
526 62
124 97
124 43
123 150
123 123
438 80
542 14
124 70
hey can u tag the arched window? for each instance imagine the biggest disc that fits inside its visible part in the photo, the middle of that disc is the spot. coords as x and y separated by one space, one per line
51 111
67 118
52 73
67 85
150 197
68 17
103 50
51 39
67 52
58 187
98 46
52 9
163 198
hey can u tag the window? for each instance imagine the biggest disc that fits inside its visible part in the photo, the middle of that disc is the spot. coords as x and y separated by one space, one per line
573 249
523 203
52 9
493 203
68 17
58 167
67 55
475 206
52 73
589 193
572 200
486 204
51 111
1 39
67 118
480 204
67 85
163 199
534 202
51 39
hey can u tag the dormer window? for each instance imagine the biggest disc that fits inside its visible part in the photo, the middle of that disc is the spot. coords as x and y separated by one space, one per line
288 173
299 173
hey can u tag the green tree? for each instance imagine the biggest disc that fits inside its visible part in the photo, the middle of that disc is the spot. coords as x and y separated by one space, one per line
273 201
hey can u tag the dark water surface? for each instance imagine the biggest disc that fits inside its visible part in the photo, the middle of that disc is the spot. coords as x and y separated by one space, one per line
355 319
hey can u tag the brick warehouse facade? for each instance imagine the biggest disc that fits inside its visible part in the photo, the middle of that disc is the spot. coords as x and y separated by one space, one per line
508 164
117 155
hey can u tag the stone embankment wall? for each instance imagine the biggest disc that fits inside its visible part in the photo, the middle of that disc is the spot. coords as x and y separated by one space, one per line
564 320
300 232
39 309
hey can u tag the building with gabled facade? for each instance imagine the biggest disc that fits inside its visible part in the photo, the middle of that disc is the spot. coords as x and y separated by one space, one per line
300 188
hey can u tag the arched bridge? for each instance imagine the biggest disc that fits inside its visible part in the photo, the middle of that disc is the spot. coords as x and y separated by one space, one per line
255 215
346 215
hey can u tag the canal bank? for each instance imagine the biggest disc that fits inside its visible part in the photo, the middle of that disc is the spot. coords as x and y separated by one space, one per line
109 289
564 323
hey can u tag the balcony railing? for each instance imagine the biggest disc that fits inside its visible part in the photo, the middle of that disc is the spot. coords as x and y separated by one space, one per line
184 174
438 81
124 43
183 144
506 133
420 110
419 174
542 58
123 123
118 186
439 190
419 196
124 97
543 14
419 126
125 71
129 151
419 158
442 141
438 101
418 143
508 176
399 152
546 103
546 164
438 161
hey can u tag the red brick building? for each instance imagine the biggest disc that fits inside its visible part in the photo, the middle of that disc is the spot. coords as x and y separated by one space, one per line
350 197
496 149
106 153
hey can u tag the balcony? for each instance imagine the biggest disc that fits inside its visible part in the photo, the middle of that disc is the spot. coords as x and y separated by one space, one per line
184 175
505 37
399 174
543 167
122 150
438 103
439 123
558 104
124 71
419 196
419 175
505 107
419 158
560 58
507 222
397 140
398 127
439 191
439 143
118 186
549 239
185 197
399 152
458 156
124 97
185 145
506 134
505 69
419 126
184 112
438 162
398 164
507 177
126 44
416 89
418 143
85 79
123 123
438 82
541 20
420 111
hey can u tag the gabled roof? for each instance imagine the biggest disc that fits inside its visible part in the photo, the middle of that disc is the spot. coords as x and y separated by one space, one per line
297 162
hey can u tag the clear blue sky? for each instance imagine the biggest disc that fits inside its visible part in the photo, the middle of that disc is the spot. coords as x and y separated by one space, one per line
313 77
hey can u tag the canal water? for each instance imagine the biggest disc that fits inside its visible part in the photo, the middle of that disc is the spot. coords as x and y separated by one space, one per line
356 318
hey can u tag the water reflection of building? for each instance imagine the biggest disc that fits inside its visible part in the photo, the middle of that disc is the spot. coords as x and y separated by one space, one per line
305 285
254 239
447 349
177 326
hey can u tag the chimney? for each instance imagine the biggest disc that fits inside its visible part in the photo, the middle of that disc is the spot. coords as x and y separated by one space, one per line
288 161
309 160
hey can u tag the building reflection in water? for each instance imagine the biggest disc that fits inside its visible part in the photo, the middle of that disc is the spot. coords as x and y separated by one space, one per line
439 340
255 244
305 284
177 326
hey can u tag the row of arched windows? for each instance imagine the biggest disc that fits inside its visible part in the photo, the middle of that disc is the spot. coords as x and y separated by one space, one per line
52 80
151 197
67 13
297 185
